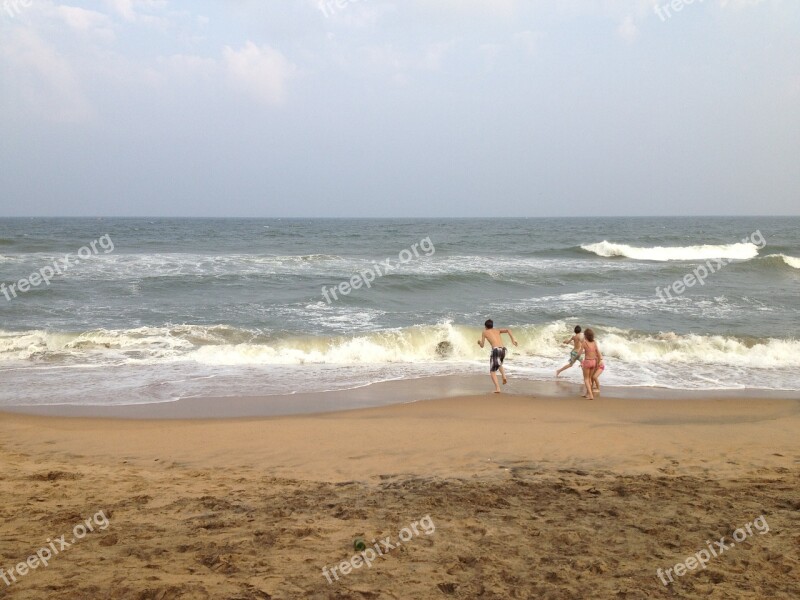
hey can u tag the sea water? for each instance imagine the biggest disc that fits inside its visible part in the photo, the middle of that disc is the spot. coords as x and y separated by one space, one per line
229 307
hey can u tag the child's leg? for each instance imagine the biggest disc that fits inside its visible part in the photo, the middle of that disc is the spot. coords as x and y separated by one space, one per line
503 373
494 380
587 383
571 362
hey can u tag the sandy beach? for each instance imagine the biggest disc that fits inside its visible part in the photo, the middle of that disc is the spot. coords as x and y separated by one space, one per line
466 497
308 300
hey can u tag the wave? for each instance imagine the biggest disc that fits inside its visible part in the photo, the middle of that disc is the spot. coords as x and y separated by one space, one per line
445 342
784 260
468 268
692 349
740 251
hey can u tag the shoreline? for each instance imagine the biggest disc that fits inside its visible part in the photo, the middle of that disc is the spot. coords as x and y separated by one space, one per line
443 437
385 393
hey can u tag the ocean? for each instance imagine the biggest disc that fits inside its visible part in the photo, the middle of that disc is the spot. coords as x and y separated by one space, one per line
152 310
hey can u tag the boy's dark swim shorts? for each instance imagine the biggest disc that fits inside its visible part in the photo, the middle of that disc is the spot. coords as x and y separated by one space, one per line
496 359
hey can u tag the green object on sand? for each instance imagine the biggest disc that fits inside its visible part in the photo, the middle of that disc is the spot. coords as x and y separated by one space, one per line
359 544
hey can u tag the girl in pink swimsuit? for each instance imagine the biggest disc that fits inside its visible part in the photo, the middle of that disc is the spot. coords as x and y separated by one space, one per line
591 358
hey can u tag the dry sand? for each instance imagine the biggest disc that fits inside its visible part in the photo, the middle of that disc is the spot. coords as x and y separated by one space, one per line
530 498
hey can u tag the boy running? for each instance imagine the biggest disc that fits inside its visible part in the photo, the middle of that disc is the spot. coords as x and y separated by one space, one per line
498 354
576 341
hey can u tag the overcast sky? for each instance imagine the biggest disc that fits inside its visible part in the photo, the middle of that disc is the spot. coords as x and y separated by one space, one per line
399 108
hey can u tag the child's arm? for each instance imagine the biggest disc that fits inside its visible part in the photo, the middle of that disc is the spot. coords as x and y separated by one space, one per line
480 341
511 335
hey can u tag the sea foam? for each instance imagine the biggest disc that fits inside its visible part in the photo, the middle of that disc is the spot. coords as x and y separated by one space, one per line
740 251
222 345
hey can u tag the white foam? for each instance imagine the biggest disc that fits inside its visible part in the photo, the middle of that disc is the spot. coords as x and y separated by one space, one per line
116 266
227 346
578 303
740 251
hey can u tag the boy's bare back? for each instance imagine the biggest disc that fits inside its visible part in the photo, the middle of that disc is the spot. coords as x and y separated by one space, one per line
494 337
577 340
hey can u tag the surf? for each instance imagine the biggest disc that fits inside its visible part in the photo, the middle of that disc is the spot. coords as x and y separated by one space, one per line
784 260
738 251
222 345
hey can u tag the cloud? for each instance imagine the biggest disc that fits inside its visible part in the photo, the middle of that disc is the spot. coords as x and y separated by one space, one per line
44 81
190 64
123 8
627 29
502 8
83 20
739 4
261 71
139 11
528 41
435 54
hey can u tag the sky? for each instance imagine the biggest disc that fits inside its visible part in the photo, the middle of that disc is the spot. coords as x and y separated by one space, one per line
389 108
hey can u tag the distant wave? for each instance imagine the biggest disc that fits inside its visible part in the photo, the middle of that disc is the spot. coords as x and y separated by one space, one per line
740 251
466 268
784 260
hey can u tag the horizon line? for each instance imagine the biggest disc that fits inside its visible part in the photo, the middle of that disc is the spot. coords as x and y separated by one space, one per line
419 218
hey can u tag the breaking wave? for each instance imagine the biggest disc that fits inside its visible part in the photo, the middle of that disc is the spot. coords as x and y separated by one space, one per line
740 251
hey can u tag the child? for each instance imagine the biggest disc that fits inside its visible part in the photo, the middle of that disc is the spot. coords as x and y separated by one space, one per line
576 341
498 354
591 358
